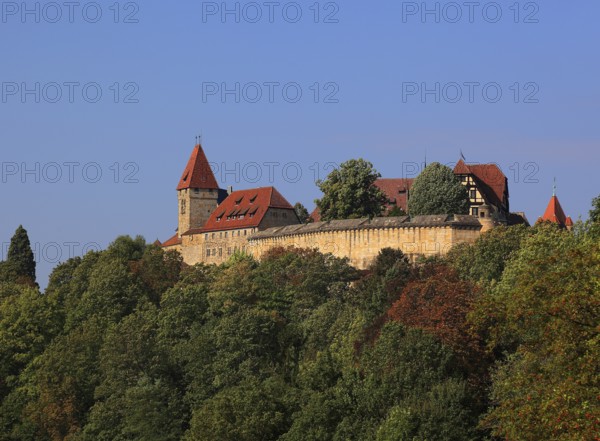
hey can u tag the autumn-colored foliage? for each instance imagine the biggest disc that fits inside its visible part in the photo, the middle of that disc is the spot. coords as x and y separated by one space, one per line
440 303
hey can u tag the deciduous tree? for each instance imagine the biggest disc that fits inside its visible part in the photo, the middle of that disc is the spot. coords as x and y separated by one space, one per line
437 191
349 193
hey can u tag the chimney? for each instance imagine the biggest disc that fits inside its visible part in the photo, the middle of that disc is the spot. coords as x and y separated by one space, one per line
229 190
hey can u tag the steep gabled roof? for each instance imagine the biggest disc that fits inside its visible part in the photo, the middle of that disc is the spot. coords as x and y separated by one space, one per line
395 190
243 209
197 173
490 179
315 215
554 213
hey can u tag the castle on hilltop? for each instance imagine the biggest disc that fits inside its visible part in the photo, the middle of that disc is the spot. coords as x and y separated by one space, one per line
216 223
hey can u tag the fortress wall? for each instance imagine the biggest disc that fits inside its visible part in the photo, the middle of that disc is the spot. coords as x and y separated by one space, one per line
360 240
361 246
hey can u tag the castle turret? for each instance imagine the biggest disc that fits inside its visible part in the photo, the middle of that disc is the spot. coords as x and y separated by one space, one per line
555 214
198 193
485 218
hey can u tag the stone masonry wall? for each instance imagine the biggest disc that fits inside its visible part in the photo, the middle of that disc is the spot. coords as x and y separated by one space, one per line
361 246
358 239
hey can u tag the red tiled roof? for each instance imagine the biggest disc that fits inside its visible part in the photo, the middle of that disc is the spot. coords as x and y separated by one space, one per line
251 204
197 173
492 182
396 191
554 213
316 215
569 221
175 240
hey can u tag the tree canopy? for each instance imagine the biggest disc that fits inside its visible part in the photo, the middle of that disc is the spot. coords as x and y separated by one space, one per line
437 191
497 340
349 193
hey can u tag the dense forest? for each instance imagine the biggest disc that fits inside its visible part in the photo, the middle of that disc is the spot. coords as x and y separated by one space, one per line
497 340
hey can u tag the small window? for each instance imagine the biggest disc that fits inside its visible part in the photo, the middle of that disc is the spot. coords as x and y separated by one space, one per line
475 211
482 214
196 190
206 236
244 232
207 253
218 219
473 194
213 235
220 252
225 233
221 234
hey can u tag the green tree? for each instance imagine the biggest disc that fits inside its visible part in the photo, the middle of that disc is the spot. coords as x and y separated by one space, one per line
349 193
301 212
412 370
252 411
20 260
60 383
544 312
595 211
437 191
485 260
28 322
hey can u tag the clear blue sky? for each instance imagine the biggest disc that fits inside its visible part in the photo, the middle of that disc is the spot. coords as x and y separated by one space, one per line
376 52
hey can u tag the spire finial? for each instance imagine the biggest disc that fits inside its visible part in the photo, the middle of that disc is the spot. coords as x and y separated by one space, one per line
554 188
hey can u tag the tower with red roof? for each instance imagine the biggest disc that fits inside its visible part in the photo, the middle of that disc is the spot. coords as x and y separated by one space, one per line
554 213
198 193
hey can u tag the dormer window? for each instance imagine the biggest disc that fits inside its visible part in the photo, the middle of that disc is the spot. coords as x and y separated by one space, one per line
239 201
253 198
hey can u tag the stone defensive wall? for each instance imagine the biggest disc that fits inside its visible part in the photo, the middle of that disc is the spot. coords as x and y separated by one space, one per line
361 239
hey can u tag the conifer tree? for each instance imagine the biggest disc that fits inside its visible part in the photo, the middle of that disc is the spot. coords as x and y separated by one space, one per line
20 256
